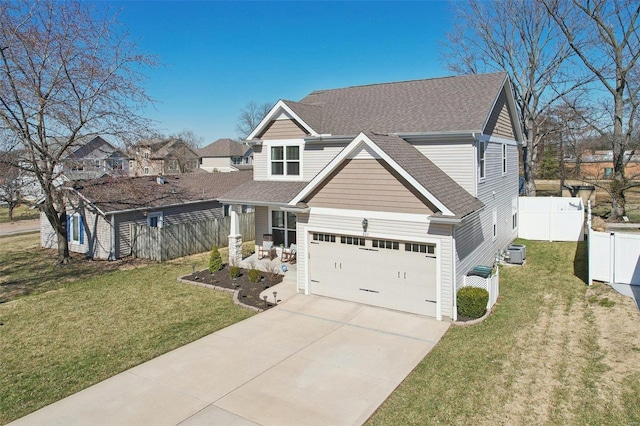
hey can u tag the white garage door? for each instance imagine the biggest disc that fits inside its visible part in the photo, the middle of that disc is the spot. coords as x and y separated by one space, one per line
398 275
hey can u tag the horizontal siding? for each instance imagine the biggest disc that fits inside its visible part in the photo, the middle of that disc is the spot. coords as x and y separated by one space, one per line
48 237
316 158
260 162
283 129
216 162
382 228
368 185
499 123
458 160
474 239
262 223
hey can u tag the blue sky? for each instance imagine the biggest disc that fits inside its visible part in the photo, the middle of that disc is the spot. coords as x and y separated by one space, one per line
217 56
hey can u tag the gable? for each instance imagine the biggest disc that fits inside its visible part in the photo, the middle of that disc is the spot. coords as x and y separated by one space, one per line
368 183
499 122
283 129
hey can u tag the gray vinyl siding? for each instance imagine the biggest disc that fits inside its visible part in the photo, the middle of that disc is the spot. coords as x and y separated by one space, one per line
499 123
384 228
368 185
96 234
262 223
283 129
474 238
458 160
316 158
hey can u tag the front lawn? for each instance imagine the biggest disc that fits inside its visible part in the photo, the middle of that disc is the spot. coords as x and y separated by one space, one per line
81 326
22 212
554 352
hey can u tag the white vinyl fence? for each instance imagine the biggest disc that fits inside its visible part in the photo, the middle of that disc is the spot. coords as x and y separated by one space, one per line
614 257
551 218
491 284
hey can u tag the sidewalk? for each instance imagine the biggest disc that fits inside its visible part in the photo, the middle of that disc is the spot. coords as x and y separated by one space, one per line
20 227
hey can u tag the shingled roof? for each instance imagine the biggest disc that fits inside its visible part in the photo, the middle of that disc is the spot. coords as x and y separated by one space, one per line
113 194
264 192
426 173
224 148
448 104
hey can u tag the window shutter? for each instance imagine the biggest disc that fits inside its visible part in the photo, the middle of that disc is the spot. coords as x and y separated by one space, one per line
81 229
68 228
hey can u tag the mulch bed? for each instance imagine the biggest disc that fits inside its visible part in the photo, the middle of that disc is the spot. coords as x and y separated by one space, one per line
248 292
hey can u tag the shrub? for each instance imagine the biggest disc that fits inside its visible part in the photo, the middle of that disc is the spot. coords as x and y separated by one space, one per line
234 271
215 260
472 302
254 275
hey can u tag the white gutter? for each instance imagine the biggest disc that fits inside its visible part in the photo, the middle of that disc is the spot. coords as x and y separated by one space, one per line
294 209
253 203
162 206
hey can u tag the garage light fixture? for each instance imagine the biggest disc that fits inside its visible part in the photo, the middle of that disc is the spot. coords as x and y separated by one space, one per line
365 224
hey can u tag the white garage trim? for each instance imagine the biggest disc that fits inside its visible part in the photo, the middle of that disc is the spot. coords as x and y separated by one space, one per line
308 231
400 217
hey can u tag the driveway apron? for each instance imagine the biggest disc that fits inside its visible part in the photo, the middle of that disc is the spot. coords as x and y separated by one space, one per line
309 361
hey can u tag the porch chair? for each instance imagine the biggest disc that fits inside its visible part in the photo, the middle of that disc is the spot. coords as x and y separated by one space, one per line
267 249
289 255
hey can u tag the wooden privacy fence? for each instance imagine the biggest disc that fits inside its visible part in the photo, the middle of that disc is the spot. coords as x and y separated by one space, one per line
173 241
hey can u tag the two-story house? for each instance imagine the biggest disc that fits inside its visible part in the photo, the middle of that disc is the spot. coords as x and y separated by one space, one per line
162 157
391 192
225 155
95 159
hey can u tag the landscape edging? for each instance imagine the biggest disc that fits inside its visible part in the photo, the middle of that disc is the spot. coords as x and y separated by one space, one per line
215 287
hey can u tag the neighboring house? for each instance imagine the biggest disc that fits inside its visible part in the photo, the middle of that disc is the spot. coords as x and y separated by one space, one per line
225 155
162 157
392 192
100 211
598 164
95 159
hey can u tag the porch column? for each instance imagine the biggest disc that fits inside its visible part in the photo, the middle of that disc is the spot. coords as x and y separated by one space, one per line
235 238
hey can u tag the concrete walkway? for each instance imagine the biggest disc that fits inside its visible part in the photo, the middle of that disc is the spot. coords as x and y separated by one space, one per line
309 361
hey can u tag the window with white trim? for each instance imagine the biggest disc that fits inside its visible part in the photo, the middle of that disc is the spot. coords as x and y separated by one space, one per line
354 241
146 170
283 227
75 233
482 147
385 244
285 160
330 238
504 158
495 224
154 220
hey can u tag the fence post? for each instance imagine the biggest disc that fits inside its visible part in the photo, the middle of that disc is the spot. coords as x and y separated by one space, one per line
612 257
589 274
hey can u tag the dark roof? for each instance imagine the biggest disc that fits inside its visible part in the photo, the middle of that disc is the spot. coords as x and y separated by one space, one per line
257 192
448 104
112 194
97 144
430 176
166 148
224 148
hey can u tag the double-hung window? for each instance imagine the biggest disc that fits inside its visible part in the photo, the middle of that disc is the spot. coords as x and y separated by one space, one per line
154 220
504 158
482 147
74 229
283 227
285 160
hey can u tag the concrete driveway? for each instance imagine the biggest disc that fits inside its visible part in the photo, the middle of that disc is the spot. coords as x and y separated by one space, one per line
309 361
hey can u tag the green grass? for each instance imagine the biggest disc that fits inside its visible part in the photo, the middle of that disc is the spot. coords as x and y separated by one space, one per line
483 374
22 212
81 326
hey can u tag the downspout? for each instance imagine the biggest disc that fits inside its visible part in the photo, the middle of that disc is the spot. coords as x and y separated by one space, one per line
454 314
112 255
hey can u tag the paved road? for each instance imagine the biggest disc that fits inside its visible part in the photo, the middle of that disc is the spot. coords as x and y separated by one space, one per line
309 361
19 227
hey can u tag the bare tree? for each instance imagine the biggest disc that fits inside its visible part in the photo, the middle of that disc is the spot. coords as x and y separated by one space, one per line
605 35
189 137
516 36
67 71
11 186
250 117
